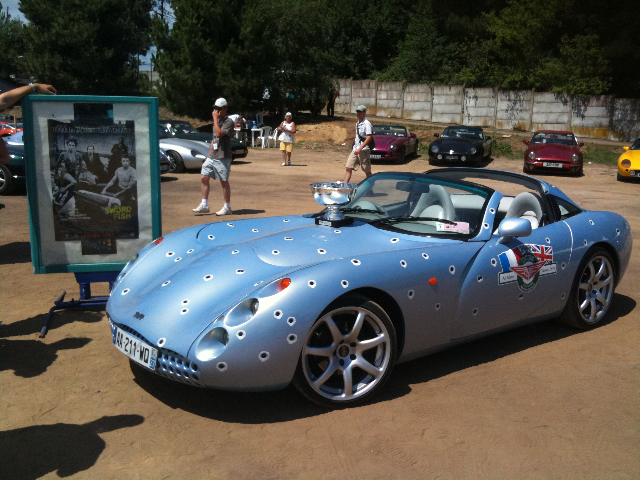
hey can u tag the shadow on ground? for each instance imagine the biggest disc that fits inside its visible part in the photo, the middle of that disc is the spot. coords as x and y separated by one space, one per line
15 252
64 448
30 358
32 325
286 405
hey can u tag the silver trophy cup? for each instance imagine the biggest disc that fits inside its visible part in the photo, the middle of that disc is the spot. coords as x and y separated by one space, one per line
332 195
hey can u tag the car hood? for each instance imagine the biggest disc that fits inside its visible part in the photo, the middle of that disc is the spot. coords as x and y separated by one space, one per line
554 151
457 143
383 141
177 288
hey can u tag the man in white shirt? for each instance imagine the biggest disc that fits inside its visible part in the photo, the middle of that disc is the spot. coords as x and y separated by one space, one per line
361 154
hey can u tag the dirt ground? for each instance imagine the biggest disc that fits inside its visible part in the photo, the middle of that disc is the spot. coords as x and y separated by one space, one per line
542 401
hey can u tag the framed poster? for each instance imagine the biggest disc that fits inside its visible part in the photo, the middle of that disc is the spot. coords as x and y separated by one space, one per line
93 180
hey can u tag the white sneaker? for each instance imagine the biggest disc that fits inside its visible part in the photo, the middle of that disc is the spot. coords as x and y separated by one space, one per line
201 209
224 211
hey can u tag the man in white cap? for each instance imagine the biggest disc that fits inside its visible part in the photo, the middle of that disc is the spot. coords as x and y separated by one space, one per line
218 162
361 153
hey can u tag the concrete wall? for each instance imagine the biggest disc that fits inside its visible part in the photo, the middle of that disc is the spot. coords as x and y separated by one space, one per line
480 107
364 92
551 111
343 102
390 99
417 101
526 110
448 101
514 109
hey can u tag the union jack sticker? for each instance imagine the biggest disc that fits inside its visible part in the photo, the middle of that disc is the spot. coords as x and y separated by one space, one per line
526 264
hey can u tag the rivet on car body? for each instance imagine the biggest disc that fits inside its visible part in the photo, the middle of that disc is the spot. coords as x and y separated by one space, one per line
452 269
403 264
344 284
222 366
410 294
292 338
425 256
312 283
355 262
264 356
291 321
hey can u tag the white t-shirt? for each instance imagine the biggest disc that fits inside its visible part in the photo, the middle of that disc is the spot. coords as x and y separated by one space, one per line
364 128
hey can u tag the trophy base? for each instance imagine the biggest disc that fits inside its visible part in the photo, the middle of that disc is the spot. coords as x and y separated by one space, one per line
334 223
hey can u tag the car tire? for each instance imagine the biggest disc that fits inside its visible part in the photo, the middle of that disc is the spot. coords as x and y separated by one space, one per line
339 366
177 164
7 184
591 292
620 178
432 160
403 156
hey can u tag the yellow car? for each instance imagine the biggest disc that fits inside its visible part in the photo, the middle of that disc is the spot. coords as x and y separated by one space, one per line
629 162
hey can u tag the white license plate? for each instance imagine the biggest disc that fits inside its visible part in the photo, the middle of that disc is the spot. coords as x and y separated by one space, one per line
552 164
376 157
136 350
451 157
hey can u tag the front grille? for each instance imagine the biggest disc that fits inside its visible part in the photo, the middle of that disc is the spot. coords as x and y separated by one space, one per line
169 363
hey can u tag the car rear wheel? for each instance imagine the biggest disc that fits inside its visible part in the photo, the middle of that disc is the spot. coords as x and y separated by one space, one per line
591 291
177 165
348 354
7 184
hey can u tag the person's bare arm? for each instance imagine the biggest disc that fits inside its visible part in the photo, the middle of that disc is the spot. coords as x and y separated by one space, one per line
12 96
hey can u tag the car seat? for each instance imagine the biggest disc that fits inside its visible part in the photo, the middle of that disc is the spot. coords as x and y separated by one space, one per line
435 203
526 205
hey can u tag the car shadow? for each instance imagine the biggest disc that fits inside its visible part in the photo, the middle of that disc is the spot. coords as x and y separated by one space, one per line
286 405
65 448
32 325
30 358
15 252
165 179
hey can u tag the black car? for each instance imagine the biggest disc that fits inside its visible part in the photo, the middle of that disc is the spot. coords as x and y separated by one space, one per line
12 174
460 144
176 127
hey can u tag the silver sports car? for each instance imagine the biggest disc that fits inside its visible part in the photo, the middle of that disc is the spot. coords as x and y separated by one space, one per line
397 267
186 151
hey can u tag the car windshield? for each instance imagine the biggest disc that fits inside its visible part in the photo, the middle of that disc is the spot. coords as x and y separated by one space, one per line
418 205
555 138
636 145
390 130
462 132
183 128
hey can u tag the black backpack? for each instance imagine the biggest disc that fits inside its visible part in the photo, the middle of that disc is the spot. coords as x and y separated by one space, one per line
372 142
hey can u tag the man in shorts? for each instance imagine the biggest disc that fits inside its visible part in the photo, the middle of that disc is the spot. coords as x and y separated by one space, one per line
361 154
218 162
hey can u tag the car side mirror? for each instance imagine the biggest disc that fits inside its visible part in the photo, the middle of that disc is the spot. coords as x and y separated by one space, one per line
436 135
487 138
513 227
581 144
625 149
526 142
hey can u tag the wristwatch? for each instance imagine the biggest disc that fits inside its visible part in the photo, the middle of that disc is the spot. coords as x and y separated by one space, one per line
33 88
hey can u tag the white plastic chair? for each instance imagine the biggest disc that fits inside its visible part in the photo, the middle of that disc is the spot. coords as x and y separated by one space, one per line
260 119
264 136
274 137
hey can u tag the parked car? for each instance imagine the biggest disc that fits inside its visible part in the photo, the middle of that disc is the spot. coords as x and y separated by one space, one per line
393 143
13 174
553 150
629 162
460 143
188 150
165 163
7 128
402 265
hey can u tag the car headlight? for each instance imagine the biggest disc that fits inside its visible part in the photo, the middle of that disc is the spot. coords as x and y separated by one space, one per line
574 158
435 149
626 163
393 146
473 150
532 155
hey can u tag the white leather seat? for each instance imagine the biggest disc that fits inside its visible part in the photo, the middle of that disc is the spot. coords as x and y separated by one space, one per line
526 205
435 203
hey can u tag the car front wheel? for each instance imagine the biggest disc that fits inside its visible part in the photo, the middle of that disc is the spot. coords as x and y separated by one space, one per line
6 181
348 354
592 291
177 165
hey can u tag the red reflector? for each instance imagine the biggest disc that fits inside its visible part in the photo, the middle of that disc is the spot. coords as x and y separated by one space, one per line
433 281
159 240
284 283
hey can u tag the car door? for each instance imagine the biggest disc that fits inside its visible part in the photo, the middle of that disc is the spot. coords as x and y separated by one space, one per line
512 281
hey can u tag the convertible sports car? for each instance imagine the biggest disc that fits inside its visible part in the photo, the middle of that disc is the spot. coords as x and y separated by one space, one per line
7 128
465 144
13 173
629 162
553 150
188 150
393 143
399 266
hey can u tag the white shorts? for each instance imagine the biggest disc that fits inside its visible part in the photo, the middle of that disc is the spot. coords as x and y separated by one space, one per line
216 168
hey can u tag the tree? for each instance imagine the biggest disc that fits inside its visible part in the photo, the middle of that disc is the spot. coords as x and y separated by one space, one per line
13 44
87 46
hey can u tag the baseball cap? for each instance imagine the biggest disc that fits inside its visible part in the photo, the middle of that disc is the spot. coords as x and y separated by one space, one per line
361 108
221 102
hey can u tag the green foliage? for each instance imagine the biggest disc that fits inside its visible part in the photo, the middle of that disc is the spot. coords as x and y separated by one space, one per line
87 46
595 154
13 44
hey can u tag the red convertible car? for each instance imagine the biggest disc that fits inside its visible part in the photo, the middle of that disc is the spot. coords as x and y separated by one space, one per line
7 128
553 150
393 143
